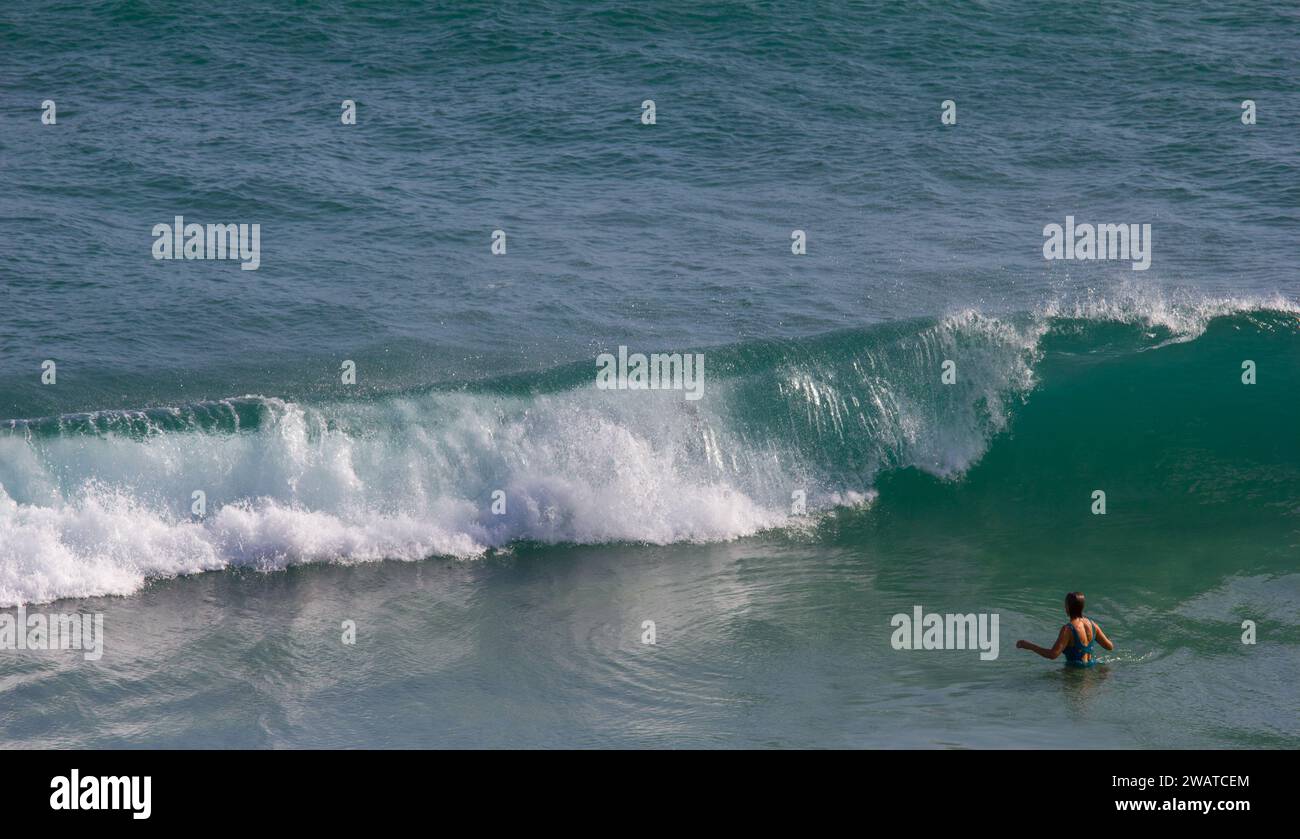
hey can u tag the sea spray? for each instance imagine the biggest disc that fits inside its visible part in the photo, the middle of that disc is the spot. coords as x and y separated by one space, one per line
101 503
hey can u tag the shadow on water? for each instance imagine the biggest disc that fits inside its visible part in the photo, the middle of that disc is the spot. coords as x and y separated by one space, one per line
1081 687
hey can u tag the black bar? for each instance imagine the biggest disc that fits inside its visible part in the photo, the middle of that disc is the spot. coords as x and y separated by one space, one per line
296 789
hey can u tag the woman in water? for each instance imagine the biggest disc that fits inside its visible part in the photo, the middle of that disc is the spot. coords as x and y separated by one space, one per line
1076 637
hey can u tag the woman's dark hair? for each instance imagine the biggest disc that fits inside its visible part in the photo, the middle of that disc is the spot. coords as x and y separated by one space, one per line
1074 604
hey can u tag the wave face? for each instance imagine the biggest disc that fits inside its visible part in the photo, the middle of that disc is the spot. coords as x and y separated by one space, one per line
1145 400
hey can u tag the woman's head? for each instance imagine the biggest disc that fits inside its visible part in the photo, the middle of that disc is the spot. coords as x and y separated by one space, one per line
1074 604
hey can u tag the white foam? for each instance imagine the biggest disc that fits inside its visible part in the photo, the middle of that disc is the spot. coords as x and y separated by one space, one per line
414 477
93 515
1184 315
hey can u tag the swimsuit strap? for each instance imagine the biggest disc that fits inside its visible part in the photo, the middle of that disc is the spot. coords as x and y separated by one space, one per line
1077 650
1078 639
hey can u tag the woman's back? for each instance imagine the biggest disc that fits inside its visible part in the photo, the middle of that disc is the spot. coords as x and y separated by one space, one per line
1079 651
1076 638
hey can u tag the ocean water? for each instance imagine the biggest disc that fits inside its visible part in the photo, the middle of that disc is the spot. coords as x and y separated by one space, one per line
475 373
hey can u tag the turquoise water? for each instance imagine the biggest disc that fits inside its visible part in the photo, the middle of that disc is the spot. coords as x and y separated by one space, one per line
373 502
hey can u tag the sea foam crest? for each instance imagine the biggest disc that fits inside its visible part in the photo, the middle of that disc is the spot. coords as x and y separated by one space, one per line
100 504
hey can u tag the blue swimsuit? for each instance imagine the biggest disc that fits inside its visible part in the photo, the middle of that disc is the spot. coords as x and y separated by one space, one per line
1076 650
